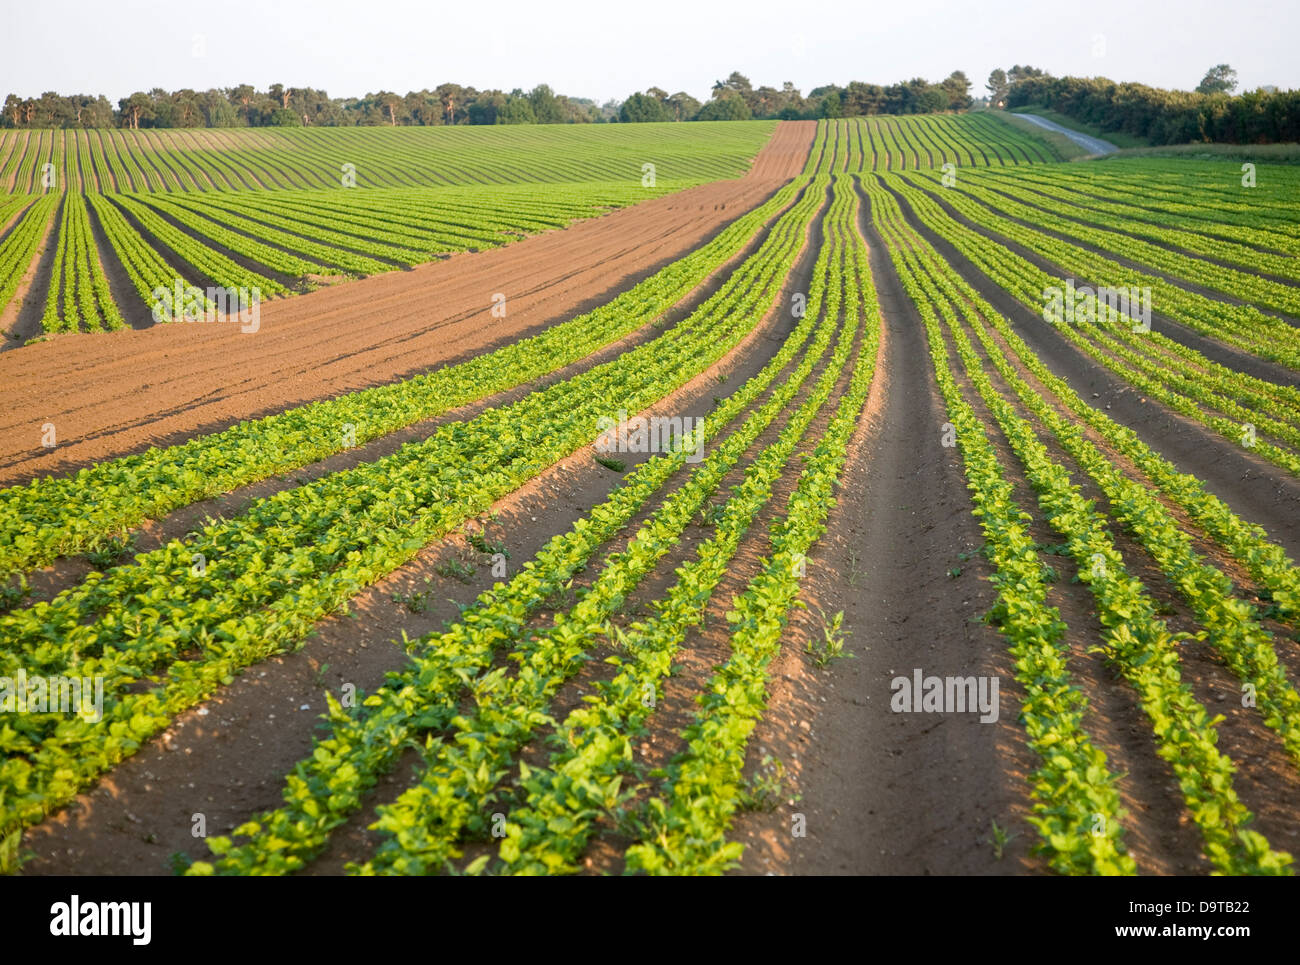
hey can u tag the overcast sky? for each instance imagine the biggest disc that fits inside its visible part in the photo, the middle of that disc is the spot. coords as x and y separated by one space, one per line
610 49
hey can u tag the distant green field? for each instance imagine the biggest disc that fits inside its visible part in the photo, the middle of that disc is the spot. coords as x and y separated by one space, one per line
202 159
906 142
1272 153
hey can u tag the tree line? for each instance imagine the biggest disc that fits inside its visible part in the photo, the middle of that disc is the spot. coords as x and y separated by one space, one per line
448 104
281 106
1211 113
737 99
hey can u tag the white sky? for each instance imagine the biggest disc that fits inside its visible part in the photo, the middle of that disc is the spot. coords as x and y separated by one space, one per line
608 50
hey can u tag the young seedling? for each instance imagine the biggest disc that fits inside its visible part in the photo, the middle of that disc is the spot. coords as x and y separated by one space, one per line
854 573
831 645
480 542
456 570
417 602
999 839
763 790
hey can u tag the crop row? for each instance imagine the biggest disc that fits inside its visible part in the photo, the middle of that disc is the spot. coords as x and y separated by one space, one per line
683 830
1110 227
78 294
285 240
146 268
1242 285
210 230
270 573
1073 785
170 223
1219 190
1177 375
930 141
419 833
20 245
1140 202
1233 625
1140 645
1242 326
327 786
1247 543
422 827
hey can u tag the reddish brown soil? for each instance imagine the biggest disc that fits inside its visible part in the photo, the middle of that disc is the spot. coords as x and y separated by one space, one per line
125 391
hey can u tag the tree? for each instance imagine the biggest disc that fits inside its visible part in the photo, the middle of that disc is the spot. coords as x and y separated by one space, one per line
136 108
98 113
518 110
1018 73
640 108
1220 79
546 107
449 97
243 98
736 81
317 108
929 100
957 88
185 110
393 105
830 106
682 106
55 110
487 108
859 99
727 105
217 110
424 108
578 110
997 87
738 84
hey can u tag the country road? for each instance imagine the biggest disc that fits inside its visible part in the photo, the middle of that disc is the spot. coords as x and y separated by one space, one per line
1093 144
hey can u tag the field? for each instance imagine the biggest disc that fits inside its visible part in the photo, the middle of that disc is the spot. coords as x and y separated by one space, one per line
872 495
